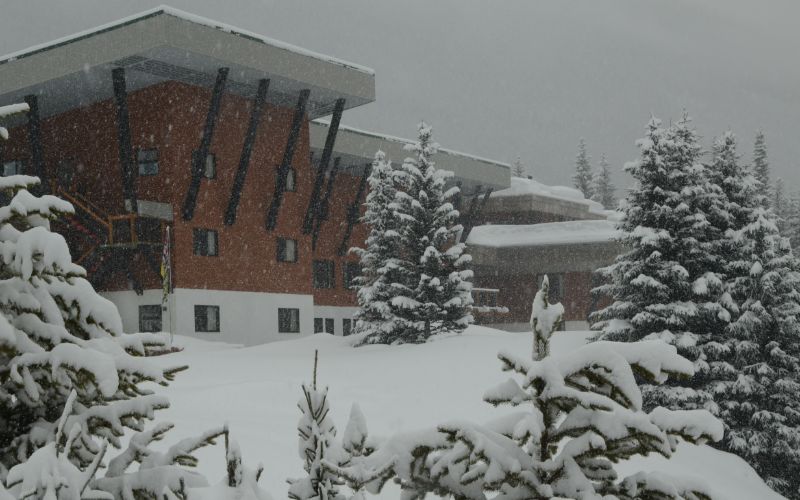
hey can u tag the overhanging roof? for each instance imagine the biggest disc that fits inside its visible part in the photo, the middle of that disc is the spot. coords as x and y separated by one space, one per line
358 147
167 44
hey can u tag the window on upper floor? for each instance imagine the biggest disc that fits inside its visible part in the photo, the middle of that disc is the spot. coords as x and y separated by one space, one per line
147 159
287 250
205 242
350 271
324 274
291 184
209 166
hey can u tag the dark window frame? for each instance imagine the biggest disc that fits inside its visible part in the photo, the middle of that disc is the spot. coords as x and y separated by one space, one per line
330 326
142 163
347 327
200 244
201 320
329 280
319 325
350 271
213 159
20 165
143 320
281 250
292 322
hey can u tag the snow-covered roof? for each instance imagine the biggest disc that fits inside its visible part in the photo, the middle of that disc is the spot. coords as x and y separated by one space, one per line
359 146
529 187
164 43
551 233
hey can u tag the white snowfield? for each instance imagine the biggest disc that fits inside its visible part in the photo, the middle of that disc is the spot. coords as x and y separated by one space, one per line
401 388
551 233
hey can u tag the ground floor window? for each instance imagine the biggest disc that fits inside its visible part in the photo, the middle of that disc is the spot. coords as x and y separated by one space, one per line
289 320
323 325
347 326
150 318
206 318
13 167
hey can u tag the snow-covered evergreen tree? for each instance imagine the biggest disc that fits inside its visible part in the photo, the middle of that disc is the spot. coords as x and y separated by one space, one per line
669 284
519 168
380 258
432 293
580 414
545 318
761 166
602 186
792 224
583 178
317 434
780 205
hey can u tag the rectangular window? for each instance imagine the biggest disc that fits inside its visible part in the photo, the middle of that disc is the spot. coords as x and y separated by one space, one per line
206 318
209 166
351 271
556 292
318 325
148 161
13 167
288 320
150 318
329 328
291 185
323 274
287 250
347 327
205 242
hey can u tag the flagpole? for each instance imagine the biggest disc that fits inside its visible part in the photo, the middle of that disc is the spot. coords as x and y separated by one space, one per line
166 284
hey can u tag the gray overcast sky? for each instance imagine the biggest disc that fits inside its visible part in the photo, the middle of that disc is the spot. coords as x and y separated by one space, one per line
523 77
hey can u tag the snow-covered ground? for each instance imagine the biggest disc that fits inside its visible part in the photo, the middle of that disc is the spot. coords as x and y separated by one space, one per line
256 389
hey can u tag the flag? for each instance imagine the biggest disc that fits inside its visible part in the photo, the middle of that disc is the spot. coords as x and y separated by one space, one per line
166 269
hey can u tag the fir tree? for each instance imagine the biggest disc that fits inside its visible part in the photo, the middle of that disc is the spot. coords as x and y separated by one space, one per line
761 166
780 205
380 262
603 188
792 227
670 284
580 414
519 168
316 444
432 292
583 171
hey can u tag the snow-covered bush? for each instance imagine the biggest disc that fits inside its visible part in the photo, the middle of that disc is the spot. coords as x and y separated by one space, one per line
581 413
431 292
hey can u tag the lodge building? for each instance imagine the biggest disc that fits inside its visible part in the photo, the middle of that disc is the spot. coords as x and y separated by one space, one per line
166 120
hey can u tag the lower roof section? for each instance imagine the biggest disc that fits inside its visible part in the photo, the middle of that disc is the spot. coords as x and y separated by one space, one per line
551 233
357 148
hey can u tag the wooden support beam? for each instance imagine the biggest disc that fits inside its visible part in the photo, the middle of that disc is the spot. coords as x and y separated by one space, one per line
288 155
199 160
458 197
247 150
322 212
475 210
353 212
313 203
129 171
35 145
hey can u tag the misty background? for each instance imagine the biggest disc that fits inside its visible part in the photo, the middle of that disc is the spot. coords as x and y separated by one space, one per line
524 78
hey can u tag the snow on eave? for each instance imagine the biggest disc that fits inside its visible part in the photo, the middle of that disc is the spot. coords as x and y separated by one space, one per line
171 11
521 186
575 232
400 140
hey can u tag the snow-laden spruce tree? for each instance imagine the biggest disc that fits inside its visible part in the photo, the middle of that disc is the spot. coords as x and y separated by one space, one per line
432 293
583 178
602 186
761 166
792 224
780 205
669 283
519 168
580 414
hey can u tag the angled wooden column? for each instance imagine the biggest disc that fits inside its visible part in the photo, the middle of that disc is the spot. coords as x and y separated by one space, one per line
247 151
35 145
322 212
467 220
353 211
288 155
199 160
313 203
475 210
129 172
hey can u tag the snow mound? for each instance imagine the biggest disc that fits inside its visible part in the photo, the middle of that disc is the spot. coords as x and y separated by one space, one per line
551 233
399 389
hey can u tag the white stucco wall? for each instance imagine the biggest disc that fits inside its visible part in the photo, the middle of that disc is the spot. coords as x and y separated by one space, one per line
247 318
